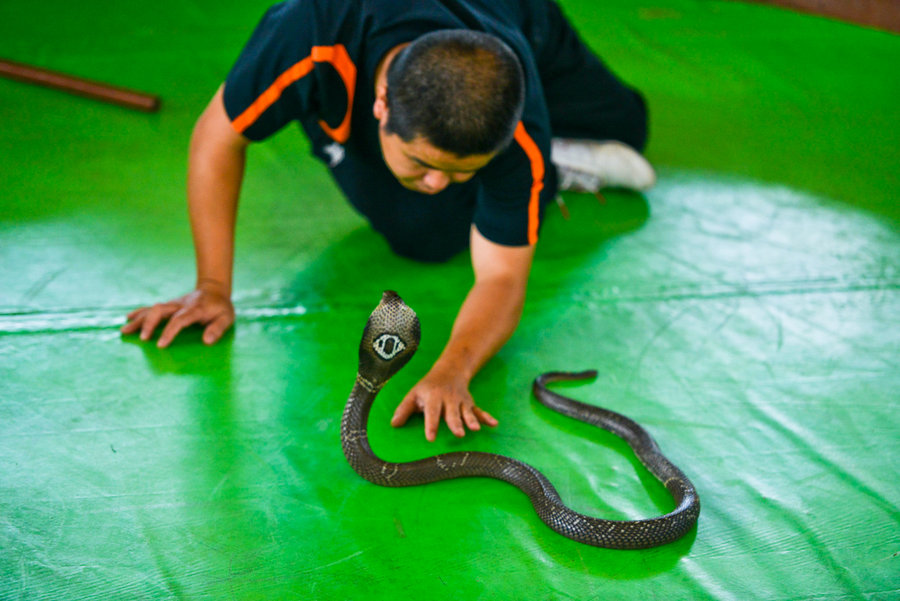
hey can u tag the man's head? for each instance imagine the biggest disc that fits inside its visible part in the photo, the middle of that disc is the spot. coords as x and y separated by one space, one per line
456 95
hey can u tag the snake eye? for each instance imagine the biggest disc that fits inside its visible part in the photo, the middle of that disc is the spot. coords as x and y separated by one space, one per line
388 346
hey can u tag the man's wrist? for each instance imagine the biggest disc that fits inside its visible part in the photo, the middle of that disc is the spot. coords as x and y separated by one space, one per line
453 368
214 285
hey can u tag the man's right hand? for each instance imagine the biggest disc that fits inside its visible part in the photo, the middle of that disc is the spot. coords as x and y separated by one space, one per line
206 306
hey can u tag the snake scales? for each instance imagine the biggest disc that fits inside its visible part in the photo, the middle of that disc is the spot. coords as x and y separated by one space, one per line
389 340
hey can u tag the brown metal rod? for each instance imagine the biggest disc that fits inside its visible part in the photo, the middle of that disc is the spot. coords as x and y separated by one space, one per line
83 87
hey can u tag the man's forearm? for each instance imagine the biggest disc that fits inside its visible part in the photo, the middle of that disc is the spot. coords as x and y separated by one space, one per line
486 320
215 173
492 309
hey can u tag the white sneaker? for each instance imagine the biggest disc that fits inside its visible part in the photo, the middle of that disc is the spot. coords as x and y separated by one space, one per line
588 165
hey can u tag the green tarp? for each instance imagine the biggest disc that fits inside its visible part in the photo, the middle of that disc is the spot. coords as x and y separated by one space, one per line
745 310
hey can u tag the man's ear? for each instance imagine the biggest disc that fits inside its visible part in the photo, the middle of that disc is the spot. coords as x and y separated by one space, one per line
379 108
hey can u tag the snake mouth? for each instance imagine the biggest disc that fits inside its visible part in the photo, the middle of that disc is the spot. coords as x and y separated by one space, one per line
389 297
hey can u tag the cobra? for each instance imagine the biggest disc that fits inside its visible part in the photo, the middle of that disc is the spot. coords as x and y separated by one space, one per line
393 320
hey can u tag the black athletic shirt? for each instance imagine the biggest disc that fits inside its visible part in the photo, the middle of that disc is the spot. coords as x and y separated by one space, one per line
314 61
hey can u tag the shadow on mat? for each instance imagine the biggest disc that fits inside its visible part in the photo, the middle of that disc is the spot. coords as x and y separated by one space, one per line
356 269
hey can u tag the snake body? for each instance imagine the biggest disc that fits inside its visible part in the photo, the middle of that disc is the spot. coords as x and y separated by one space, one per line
389 340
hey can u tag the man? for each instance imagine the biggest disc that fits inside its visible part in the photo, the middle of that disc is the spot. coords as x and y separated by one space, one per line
435 118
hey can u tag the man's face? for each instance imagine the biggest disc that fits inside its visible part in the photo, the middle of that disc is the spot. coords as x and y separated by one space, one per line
422 167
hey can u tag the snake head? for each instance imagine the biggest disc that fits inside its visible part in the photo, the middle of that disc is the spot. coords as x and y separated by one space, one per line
389 340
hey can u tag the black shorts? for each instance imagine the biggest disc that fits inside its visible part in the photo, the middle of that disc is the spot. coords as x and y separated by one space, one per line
584 98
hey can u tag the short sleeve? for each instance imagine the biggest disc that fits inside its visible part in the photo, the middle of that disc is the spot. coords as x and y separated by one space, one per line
515 188
267 87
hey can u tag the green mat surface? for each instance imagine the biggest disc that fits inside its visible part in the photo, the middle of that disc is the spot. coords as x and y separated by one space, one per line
745 310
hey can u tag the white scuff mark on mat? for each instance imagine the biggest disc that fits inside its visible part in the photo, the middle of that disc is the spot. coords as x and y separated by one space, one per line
96 319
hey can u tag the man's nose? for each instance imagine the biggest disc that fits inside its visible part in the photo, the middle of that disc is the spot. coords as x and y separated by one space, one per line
436 180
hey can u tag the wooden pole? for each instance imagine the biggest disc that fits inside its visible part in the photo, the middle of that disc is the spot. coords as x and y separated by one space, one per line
883 14
131 99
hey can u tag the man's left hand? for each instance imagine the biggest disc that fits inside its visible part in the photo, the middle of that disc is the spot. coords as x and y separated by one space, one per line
437 395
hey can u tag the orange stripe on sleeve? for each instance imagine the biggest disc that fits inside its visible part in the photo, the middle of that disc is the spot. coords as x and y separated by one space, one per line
537 179
335 55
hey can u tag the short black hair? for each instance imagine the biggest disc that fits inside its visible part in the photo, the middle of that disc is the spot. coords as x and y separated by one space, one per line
461 90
